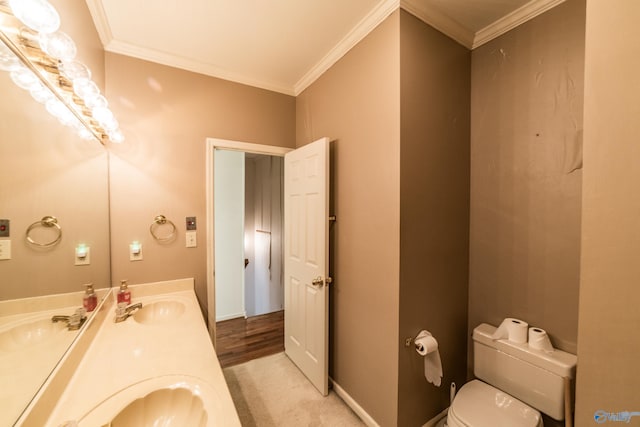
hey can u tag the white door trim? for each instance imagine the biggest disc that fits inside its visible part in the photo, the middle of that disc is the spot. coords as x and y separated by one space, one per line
211 145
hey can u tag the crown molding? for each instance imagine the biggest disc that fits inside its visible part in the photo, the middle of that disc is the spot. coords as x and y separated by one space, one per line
438 20
100 21
175 61
422 11
467 38
512 20
359 32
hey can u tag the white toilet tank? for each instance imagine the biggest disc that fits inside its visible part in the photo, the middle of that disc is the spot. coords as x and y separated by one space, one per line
533 376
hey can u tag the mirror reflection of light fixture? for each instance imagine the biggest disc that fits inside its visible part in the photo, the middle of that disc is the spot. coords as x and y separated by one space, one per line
41 60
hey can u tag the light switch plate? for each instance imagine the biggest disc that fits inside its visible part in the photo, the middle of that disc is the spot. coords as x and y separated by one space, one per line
86 260
135 252
5 249
190 236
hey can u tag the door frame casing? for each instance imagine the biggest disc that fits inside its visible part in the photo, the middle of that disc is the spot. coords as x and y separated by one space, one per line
223 144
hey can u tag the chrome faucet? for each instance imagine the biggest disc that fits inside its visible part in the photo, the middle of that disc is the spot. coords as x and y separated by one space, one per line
74 321
123 311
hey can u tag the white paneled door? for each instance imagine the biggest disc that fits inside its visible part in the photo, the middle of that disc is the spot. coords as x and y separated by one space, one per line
306 265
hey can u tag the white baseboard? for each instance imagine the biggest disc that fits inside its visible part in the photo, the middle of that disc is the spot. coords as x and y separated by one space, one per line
366 418
351 403
230 316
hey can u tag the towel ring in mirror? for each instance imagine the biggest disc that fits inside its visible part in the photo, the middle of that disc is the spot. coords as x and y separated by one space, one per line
159 221
48 222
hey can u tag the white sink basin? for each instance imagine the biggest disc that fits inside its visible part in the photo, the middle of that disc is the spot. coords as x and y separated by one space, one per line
159 312
29 333
167 401
165 407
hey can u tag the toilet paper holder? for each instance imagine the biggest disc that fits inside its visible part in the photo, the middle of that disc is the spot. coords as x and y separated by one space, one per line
409 341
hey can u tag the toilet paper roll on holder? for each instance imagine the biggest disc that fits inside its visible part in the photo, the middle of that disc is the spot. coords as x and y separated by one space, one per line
411 340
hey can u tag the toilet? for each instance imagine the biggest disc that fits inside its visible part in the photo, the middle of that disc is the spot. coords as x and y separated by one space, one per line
514 384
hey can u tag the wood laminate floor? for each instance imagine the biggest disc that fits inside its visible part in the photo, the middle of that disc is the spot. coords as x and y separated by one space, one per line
240 340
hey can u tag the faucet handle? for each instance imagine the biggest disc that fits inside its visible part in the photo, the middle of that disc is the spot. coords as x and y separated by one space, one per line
121 309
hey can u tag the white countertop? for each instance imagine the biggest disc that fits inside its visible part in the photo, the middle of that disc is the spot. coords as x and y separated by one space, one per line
132 359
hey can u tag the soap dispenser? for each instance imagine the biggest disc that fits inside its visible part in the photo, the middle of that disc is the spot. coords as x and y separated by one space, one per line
124 294
90 300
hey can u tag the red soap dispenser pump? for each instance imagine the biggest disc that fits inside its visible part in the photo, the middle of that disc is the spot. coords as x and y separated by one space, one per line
124 294
90 300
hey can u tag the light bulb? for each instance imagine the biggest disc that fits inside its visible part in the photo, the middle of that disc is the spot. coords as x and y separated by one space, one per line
39 15
58 44
85 88
41 94
85 134
116 137
24 78
110 124
60 111
82 131
95 101
103 116
75 70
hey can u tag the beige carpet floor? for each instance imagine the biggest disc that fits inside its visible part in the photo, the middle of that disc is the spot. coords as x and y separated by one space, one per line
272 392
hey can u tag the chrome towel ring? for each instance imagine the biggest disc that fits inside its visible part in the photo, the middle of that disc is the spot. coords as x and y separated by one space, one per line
48 222
159 221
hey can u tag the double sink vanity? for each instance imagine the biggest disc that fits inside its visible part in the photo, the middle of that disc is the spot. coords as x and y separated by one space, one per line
156 365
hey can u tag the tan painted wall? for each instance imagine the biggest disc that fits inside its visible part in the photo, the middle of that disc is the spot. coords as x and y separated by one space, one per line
526 175
434 212
166 114
608 343
48 170
357 104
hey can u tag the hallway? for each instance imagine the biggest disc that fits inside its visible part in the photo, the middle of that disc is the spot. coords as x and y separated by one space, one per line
240 340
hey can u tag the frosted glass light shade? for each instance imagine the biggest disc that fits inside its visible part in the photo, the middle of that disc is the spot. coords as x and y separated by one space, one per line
95 101
39 15
105 117
41 93
8 60
116 136
75 70
85 88
60 111
83 132
24 78
58 45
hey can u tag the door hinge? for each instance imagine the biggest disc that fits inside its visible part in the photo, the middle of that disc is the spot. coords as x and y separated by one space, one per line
332 218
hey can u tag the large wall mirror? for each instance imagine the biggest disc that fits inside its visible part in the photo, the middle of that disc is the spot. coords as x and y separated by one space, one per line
46 170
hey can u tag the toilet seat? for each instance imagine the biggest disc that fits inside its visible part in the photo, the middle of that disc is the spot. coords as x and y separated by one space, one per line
478 404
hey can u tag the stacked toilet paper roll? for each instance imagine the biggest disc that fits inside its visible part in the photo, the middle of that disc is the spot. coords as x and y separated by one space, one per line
539 340
427 346
514 330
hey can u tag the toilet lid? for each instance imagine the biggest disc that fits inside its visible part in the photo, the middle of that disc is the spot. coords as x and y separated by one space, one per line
478 404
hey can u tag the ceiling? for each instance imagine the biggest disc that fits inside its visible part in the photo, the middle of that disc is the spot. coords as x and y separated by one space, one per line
283 45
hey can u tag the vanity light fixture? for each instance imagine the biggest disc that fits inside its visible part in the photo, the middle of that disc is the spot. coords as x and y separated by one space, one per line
41 59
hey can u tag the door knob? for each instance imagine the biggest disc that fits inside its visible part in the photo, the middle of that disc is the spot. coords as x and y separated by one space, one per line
318 281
